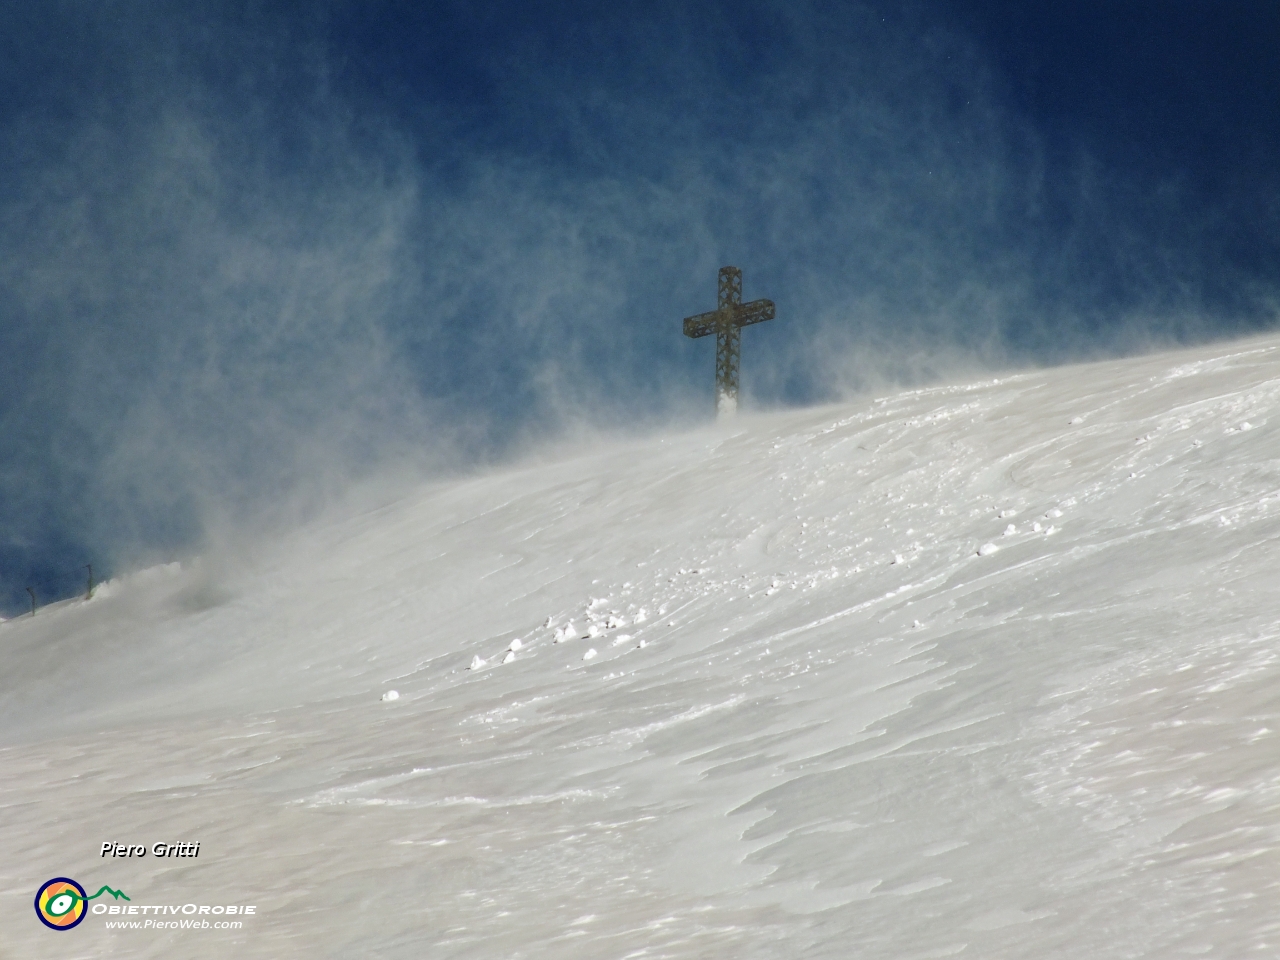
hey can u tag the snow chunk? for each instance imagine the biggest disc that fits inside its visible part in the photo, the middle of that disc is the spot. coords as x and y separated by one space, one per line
987 549
516 644
622 638
1010 530
391 695
100 591
477 662
590 654
641 615
510 655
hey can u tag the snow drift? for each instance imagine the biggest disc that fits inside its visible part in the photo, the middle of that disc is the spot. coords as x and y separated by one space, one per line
987 669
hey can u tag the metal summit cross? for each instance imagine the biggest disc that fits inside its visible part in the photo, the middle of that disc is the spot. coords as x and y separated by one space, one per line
726 322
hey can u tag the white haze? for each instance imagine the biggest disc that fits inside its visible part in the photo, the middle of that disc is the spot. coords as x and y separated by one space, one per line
983 669
240 274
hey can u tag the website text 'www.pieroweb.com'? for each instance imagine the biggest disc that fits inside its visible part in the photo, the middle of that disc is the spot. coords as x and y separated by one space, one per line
188 916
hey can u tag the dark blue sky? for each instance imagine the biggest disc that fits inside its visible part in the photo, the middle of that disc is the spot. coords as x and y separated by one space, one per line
250 252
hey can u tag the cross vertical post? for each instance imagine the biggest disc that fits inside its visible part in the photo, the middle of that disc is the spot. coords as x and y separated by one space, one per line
726 322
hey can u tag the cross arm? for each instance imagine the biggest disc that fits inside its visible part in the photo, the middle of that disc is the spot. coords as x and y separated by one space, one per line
702 324
757 311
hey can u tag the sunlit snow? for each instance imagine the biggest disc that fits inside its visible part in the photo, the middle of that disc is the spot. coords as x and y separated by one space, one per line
821 713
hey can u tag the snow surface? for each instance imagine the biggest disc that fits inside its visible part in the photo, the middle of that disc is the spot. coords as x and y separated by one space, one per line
843 727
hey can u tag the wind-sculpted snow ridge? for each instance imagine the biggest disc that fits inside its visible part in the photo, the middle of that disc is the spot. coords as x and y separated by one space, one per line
986 670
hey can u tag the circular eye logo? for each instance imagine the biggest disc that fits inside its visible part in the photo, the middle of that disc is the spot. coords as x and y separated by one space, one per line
60 904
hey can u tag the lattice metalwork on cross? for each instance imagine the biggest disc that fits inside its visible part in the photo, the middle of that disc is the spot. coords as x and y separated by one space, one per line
726 322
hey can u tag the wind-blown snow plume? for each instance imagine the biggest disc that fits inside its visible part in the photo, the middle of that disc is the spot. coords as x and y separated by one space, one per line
251 251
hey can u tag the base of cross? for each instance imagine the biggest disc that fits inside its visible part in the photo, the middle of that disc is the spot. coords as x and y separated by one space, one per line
726 405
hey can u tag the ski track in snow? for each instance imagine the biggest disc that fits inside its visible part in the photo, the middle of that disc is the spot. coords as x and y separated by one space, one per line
821 718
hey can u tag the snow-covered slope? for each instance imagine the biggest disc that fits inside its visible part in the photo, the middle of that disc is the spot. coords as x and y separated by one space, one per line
983 670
